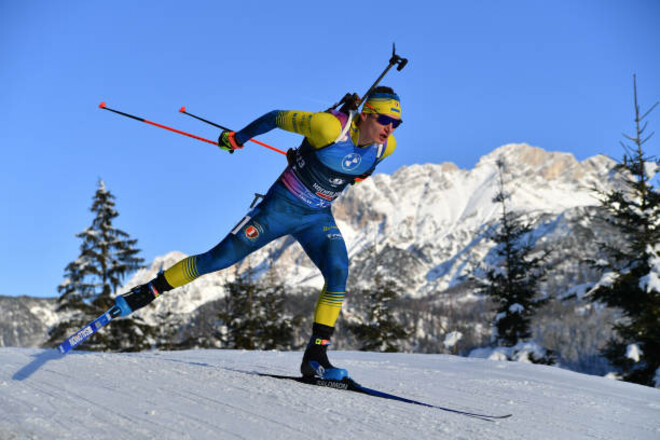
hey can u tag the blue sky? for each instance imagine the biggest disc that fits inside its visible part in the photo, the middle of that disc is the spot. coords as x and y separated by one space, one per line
557 75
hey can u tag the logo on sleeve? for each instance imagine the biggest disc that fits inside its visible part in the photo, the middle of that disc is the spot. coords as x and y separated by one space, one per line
253 231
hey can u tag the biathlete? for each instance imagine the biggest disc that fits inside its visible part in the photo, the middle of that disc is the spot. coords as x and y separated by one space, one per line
338 149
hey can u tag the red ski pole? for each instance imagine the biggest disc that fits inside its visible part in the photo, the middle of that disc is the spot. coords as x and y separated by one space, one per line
137 118
183 110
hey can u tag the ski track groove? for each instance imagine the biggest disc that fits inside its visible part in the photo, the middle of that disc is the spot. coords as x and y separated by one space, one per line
31 409
106 409
63 394
200 398
252 413
214 369
237 385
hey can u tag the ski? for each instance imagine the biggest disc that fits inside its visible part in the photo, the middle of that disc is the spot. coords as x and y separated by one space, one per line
88 330
350 385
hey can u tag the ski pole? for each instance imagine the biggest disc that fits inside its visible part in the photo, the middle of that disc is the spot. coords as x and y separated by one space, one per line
394 60
353 101
137 118
183 110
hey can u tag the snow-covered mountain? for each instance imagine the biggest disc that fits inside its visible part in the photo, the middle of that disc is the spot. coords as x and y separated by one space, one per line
24 321
431 218
206 394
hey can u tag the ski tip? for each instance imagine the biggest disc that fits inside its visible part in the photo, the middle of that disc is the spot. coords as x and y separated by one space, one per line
182 110
102 105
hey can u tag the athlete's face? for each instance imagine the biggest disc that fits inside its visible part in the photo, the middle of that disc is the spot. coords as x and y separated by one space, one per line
374 131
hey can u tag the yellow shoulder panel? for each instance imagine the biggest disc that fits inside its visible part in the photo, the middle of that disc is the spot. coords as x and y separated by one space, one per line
320 129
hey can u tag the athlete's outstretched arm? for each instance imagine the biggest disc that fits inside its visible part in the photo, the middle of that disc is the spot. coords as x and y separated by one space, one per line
320 129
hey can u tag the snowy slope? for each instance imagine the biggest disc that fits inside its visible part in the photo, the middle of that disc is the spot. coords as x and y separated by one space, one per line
199 395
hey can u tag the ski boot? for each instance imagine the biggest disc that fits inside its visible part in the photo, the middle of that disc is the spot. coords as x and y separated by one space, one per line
142 295
315 361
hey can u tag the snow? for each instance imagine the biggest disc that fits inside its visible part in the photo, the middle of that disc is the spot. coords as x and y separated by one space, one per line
202 394
516 308
520 352
633 352
651 169
651 282
45 314
606 280
451 339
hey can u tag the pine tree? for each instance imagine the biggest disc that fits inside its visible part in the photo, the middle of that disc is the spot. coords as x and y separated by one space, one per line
631 261
107 256
73 304
254 317
513 283
379 330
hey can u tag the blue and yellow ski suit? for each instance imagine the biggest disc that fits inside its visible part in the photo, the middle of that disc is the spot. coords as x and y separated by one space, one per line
299 202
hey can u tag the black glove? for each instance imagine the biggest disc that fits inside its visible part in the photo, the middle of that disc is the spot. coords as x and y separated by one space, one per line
227 141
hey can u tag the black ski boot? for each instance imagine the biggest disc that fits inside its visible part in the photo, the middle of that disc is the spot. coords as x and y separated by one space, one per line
142 295
315 361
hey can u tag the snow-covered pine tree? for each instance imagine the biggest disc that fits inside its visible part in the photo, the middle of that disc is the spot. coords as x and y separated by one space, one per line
378 329
374 323
254 317
107 256
631 261
72 306
513 281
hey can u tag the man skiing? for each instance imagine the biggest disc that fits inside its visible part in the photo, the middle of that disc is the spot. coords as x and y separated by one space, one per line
338 149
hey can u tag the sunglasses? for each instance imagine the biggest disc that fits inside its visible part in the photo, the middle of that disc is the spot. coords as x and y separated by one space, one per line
387 120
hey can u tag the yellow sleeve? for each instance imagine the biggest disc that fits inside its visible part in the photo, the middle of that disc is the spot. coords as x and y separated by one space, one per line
320 129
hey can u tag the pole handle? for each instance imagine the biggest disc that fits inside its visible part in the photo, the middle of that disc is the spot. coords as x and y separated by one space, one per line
183 110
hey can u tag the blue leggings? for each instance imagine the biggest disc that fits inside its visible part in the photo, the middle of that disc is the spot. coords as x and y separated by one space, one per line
279 214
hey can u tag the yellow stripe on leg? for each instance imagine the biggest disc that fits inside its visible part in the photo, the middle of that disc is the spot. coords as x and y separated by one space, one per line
328 307
182 272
